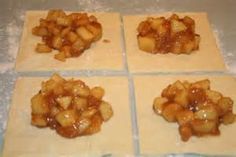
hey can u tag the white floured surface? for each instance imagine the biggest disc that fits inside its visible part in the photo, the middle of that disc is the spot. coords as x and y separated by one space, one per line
4 67
93 5
13 31
231 66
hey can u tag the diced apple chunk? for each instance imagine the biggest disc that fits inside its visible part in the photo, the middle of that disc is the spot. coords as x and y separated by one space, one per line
106 111
60 56
158 104
162 30
54 111
38 105
229 118
96 30
80 103
72 37
79 45
225 104
43 48
66 118
38 120
181 98
89 113
64 101
206 113
54 14
156 22
67 51
185 116
214 96
204 84
146 43
177 26
170 111
172 90
82 91
203 127
84 124
188 47
64 21
178 85
97 92
57 78
85 34
57 42
185 132
40 31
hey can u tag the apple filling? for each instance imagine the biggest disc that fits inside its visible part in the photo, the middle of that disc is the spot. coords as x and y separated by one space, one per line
197 108
70 34
70 107
172 35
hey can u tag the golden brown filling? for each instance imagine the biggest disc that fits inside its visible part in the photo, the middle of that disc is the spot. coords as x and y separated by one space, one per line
195 107
70 34
172 35
70 107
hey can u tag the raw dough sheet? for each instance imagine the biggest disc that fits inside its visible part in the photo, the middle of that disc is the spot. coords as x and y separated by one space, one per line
24 140
100 56
207 58
157 136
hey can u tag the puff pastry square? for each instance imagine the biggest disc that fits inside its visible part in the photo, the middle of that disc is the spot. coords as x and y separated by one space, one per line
207 58
24 140
157 136
100 56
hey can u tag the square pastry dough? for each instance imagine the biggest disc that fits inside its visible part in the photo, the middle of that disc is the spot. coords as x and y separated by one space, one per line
100 56
207 58
24 140
157 136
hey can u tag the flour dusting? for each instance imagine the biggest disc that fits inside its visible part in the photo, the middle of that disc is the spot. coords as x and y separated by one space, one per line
93 5
13 32
231 66
4 67
218 34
